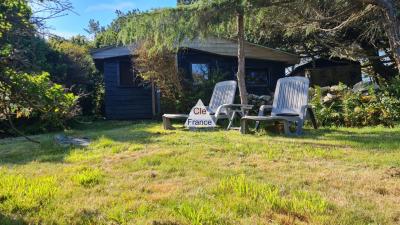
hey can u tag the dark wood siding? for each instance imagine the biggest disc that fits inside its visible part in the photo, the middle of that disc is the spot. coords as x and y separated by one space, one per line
228 66
124 103
130 103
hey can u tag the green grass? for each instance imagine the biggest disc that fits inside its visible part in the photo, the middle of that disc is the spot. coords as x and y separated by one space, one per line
137 173
88 177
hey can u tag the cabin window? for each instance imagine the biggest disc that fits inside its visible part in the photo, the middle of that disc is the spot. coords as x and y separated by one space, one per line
200 72
258 77
126 74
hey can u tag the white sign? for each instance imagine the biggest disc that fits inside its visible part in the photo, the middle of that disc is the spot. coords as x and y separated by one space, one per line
199 117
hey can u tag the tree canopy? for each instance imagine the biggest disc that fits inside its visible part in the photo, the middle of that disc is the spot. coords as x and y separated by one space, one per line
43 81
361 30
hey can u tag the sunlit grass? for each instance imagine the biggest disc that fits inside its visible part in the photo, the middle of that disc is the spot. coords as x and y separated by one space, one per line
88 177
137 173
19 194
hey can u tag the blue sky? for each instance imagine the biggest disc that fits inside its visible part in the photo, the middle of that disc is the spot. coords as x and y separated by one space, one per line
101 10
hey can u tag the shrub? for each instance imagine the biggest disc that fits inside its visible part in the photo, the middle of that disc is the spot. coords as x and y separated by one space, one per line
38 98
160 68
341 106
71 65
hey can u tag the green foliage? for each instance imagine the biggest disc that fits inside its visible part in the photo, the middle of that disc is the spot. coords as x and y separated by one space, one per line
161 69
203 90
26 92
353 109
71 64
109 36
167 28
40 99
393 87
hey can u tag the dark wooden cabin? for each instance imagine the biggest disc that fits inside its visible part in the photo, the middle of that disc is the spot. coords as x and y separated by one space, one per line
198 60
329 72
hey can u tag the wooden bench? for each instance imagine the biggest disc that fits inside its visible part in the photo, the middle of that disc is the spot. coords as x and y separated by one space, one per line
167 120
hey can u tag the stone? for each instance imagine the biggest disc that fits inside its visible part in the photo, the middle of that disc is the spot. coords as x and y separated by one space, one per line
74 141
265 98
329 97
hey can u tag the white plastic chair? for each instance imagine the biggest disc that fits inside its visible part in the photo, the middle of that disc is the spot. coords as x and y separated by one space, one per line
290 106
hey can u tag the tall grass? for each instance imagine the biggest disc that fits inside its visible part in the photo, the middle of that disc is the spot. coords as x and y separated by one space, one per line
21 194
298 203
88 177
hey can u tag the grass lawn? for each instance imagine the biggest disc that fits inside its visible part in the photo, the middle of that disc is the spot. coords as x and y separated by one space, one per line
137 173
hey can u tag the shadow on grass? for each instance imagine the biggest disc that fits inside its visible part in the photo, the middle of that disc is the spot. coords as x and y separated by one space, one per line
385 139
22 152
367 138
6 220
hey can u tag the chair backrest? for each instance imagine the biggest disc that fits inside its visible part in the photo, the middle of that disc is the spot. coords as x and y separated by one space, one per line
224 93
291 94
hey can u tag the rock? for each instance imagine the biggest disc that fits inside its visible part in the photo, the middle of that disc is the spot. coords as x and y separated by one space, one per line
252 96
329 97
325 89
334 88
67 141
364 86
265 98
153 174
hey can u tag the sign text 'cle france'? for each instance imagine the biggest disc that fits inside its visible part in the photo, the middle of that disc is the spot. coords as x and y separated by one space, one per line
199 117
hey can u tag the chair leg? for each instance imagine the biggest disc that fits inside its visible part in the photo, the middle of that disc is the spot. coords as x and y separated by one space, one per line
231 118
312 118
286 127
167 123
299 127
244 126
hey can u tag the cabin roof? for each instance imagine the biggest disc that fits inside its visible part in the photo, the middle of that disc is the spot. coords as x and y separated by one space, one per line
225 47
325 63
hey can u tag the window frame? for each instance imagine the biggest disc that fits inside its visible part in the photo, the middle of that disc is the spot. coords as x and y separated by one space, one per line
268 76
119 62
204 78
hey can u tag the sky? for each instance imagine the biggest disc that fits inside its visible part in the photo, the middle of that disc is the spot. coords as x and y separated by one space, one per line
101 10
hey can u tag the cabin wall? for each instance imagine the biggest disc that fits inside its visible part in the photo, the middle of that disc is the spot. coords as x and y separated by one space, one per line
329 76
227 65
131 103
124 103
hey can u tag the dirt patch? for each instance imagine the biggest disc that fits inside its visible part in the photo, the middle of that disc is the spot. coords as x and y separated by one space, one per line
393 172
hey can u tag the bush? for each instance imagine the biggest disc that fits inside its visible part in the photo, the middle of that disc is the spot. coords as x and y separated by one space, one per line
71 65
37 98
340 106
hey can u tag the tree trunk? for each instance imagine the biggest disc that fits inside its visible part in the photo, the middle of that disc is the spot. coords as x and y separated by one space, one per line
241 76
393 30
392 25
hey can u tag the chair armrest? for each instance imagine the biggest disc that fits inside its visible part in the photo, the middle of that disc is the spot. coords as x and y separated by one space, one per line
263 109
232 106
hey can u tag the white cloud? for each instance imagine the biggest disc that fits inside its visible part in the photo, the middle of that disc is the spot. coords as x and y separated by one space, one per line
111 7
